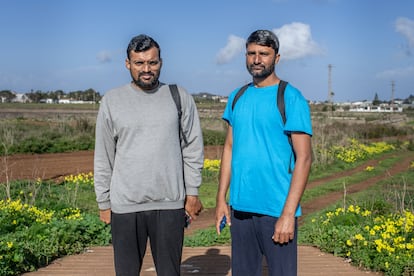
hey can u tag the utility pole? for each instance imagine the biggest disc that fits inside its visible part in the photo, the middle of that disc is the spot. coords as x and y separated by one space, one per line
392 94
330 92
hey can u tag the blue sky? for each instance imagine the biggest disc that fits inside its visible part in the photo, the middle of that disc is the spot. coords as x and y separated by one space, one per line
79 44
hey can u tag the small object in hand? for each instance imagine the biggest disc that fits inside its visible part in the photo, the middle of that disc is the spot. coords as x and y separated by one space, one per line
188 220
223 223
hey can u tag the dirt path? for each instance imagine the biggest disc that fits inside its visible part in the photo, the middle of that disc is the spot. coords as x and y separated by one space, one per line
328 199
53 166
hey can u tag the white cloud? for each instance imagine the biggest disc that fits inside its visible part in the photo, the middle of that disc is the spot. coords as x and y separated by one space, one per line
296 41
405 27
397 73
235 45
104 56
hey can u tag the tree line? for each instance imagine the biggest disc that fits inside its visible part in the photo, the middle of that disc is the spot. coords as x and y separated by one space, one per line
88 95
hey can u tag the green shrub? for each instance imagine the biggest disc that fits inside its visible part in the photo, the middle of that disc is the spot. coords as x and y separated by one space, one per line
378 242
39 244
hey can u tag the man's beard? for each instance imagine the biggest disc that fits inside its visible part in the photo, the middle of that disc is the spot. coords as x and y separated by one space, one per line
264 73
147 85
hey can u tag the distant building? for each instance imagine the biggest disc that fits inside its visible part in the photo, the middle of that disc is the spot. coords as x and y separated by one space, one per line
48 101
20 98
368 107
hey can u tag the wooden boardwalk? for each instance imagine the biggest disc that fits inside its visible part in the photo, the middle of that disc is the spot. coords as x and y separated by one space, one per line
200 261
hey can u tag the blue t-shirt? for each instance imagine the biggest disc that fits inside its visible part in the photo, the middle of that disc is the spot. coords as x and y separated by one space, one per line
261 153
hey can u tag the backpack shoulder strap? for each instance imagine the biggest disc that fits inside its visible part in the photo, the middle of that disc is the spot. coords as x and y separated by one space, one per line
239 94
176 97
281 107
281 99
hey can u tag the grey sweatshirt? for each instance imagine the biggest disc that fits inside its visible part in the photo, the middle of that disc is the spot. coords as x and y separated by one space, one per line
139 163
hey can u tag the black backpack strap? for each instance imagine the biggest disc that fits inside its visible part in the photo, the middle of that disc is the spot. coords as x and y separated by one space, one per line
281 99
239 94
281 107
176 96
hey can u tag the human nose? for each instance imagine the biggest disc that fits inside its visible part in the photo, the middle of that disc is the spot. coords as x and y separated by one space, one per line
257 59
146 67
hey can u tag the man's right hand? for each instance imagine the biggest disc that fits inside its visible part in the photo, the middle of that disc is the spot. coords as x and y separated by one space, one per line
222 210
105 216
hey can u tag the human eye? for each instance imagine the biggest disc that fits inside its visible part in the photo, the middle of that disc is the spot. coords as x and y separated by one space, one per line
154 62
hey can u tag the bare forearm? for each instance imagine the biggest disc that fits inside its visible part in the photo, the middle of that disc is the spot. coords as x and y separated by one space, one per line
222 209
302 146
298 185
225 168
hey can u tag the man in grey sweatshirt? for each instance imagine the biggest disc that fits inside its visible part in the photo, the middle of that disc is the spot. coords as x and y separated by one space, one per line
146 177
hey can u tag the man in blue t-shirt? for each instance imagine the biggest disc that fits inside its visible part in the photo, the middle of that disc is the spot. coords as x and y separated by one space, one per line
256 165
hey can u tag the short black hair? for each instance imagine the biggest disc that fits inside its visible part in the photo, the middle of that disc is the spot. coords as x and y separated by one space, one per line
141 43
264 38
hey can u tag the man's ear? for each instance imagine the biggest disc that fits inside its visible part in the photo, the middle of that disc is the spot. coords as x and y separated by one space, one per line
277 58
127 64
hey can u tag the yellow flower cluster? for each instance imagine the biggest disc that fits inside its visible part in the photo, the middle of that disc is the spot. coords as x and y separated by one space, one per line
19 210
369 168
80 179
212 165
392 235
71 214
341 211
357 151
377 148
26 214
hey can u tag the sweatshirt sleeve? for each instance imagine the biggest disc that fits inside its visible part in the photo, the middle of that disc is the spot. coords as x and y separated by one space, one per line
193 152
105 144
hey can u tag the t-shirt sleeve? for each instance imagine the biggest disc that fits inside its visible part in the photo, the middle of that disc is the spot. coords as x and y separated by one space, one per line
298 117
228 112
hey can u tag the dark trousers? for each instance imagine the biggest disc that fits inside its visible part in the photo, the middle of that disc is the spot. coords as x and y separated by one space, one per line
251 236
165 230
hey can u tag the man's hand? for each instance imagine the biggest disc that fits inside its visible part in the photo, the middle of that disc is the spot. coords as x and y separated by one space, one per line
222 210
105 216
193 206
284 229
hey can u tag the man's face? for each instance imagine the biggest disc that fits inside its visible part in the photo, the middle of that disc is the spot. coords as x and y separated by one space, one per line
260 60
145 68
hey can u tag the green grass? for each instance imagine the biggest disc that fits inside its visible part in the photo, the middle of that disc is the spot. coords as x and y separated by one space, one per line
338 183
208 237
208 189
